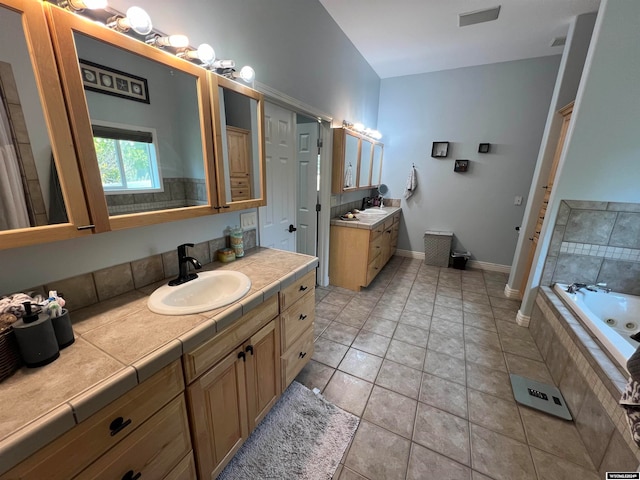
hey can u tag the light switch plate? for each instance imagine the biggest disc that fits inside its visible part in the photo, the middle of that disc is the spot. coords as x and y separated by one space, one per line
248 220
518 200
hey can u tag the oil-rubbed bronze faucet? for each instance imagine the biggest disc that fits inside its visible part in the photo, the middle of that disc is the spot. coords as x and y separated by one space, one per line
183 266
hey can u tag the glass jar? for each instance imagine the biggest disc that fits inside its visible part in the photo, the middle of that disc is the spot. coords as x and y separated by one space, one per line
235 237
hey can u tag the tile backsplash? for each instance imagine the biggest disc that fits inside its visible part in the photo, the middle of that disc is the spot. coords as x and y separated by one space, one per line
89 288
346 207
596 242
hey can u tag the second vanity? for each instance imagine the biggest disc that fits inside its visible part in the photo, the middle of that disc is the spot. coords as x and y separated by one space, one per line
142 395
360 248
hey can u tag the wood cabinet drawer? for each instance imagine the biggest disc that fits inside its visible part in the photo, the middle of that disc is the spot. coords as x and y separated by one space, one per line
66 456
375 247
388 223
185 470
152 450
290 294
240 194
297 319
372 269
396 218
297 357
377 230
212 351
239 182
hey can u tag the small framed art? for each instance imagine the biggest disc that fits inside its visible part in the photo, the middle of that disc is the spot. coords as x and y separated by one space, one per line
440 149
461 166
484 148
101 79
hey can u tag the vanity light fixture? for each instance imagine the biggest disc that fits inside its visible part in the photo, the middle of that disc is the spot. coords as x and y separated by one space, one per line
136 19
223 64
361 129
205 53
79 5
176 41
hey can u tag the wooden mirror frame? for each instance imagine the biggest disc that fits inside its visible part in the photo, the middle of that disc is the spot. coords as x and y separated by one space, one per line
63 25
55 115
216 81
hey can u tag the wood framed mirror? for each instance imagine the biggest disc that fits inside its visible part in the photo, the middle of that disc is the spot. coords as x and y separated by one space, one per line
41 192
142 124
239 114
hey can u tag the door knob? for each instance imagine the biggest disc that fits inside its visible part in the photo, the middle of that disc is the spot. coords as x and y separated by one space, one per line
292 229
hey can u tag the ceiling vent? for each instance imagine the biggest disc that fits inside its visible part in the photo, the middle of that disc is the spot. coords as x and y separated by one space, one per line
559 41
479 16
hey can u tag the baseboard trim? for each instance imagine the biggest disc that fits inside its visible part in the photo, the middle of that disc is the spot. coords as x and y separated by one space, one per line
491 267
522 319
511 292
410 254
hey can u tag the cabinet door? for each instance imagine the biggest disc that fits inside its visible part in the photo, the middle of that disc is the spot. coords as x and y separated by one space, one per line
263 372
217 402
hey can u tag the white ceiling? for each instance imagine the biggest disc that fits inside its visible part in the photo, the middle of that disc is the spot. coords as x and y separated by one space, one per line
405 37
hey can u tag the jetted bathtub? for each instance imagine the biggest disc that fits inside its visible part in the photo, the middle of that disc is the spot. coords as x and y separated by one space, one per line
611 317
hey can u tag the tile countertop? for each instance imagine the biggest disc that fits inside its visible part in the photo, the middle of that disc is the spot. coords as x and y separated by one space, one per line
120 343
366 221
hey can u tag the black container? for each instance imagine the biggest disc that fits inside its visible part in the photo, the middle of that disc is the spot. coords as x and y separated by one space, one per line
459 260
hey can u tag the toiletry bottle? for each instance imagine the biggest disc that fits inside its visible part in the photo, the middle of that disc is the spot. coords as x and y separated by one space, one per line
36 338
236 241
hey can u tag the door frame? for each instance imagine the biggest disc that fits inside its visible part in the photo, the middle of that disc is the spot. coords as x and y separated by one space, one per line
324 216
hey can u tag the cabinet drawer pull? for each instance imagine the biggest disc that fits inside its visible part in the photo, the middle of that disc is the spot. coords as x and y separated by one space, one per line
302 355
302 317
86 227
118 425
131 476
242 356
302 288
249 349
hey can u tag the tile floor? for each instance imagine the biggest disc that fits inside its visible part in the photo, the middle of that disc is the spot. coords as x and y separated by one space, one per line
422 356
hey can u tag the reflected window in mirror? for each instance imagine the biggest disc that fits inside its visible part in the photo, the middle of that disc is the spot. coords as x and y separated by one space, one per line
156 161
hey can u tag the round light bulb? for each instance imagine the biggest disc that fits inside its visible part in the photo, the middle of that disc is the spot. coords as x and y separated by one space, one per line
206 53
139 20
178 41
358 127
247 74
376 134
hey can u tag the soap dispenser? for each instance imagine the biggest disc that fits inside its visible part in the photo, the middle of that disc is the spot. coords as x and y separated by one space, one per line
36 338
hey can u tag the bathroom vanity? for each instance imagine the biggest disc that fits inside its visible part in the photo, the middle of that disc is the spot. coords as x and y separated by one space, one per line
359 248
167 397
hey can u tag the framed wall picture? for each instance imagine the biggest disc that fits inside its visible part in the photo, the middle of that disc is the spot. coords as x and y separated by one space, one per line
440 149
484 147
461 166
101 79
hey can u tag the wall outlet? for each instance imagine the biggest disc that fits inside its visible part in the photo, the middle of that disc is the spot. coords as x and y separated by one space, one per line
249 220
517 201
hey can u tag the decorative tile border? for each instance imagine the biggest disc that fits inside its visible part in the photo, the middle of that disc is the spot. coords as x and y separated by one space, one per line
604 251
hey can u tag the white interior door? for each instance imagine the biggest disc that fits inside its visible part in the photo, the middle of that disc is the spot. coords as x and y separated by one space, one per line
280 213
307 157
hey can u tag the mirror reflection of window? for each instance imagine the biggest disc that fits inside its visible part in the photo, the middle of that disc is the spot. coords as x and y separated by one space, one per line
127 159
156 161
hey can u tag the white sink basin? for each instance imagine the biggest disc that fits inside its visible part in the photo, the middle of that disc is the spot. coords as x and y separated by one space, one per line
210 290
372 211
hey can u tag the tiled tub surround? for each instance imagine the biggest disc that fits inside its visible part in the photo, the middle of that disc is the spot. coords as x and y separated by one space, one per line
177 192
120 343
590 381
596 242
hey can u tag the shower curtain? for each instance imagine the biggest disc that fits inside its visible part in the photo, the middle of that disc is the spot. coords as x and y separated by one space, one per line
13 207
